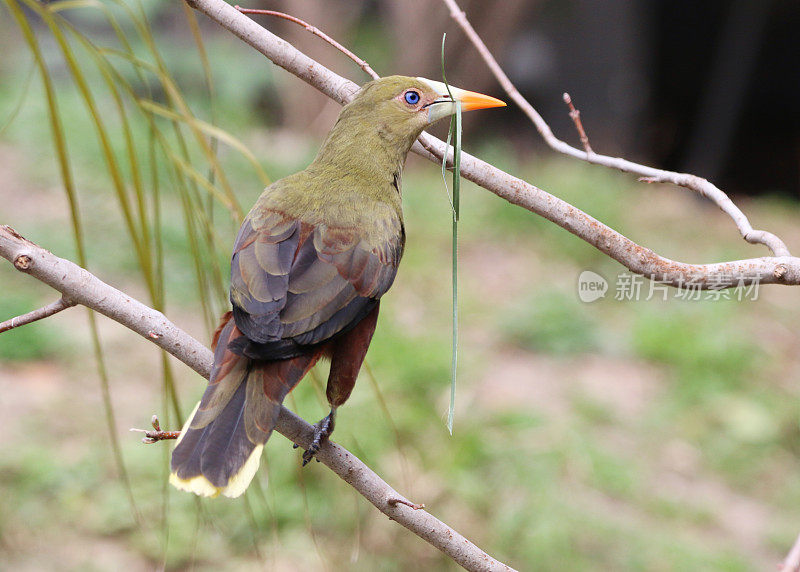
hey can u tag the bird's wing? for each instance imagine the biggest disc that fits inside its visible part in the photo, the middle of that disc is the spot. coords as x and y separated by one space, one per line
294 284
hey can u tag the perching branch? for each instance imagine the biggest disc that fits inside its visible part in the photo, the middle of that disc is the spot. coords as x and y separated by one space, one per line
43 312
79 285
782 269
649 174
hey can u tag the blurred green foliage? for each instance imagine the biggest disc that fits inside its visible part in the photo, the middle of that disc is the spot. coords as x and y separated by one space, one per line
690 340
35 341
550 322
642 435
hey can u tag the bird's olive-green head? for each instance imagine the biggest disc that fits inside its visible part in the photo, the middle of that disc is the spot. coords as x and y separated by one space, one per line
410 104
388 114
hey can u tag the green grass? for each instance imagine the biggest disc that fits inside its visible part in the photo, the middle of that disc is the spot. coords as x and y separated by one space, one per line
700 342
550 322
574 421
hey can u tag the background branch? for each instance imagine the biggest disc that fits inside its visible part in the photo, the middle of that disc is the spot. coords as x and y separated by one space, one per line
317 32
651 175
783 269
79 285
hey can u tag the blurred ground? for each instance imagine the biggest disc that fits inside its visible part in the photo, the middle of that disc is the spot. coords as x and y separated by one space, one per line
633 435
624 435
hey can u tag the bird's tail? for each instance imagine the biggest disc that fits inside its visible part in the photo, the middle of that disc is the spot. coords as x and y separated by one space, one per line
220 446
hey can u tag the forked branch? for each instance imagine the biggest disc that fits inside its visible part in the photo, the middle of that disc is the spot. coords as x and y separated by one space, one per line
648 174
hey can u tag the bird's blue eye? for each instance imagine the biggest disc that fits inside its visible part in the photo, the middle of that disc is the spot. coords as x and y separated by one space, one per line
412 97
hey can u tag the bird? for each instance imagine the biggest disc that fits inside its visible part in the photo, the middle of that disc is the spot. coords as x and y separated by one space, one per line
310 263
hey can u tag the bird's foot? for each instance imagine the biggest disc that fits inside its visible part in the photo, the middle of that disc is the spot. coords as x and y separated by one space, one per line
322 430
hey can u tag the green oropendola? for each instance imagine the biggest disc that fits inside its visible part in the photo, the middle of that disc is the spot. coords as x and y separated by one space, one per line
309 266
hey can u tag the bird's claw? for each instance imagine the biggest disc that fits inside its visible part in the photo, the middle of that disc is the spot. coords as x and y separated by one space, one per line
322 431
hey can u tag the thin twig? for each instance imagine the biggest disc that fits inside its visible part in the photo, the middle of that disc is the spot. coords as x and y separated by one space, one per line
575 115
76 283
394 502
38 314
156 434
692 182
317 32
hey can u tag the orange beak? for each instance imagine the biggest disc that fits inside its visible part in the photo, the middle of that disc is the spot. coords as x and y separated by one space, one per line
469 100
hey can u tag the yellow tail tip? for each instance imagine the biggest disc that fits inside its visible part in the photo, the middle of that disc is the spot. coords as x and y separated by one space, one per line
198 485
236 486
